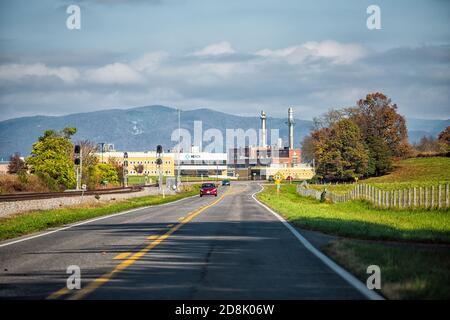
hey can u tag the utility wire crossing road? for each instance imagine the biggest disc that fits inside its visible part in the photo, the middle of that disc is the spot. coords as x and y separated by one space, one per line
229 247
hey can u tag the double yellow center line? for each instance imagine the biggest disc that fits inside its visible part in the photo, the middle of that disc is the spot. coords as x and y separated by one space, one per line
92 286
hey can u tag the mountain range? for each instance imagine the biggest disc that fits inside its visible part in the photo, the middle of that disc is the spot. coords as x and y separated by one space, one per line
142 128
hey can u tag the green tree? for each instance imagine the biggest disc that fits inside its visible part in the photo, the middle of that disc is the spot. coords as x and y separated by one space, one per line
340 152
51 157
68 132
380 161
102 172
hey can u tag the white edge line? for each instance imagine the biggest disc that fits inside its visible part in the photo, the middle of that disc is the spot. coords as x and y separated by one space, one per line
91 220
347 276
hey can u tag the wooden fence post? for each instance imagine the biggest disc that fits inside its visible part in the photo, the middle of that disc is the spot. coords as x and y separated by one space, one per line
409 197
432 196
404 198
420 197
439 196
394 198
446 196
415 199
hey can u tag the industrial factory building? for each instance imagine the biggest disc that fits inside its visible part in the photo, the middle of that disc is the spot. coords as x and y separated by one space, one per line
193 163
265 161
141 163
197 164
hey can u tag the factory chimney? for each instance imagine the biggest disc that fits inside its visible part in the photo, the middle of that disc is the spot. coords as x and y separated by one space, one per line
263 129
291 123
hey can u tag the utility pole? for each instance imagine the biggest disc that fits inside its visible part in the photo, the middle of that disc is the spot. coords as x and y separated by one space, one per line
179 149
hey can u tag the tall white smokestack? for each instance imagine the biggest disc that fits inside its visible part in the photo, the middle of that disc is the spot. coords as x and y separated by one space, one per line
291 123
263 129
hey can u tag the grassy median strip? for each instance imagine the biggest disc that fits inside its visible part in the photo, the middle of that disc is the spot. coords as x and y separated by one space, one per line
359 219
21 224
407 272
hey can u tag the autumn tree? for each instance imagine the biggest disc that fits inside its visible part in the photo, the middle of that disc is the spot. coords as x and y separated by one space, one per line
340 152
377 116
329 118
16 164
89 160
444 138
308 149
118 166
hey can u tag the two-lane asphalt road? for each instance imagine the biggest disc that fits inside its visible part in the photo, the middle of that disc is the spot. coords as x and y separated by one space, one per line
225 247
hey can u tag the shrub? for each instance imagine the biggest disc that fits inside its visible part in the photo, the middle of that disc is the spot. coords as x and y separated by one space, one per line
51 183
16 183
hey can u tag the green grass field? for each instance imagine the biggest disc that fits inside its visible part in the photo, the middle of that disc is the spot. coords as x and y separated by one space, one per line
358 218
409 173
40 220
407 272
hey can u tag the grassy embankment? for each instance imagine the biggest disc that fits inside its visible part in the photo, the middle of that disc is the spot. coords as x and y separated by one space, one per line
409 173
21 224
408 270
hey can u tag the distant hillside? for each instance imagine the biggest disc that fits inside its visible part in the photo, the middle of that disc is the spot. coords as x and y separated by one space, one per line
143 128
417 128
133 129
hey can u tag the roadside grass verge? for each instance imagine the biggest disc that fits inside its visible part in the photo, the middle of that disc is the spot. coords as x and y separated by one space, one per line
359 219
407 272
34 221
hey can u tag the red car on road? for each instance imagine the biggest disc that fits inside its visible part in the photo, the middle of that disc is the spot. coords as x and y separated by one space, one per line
208 189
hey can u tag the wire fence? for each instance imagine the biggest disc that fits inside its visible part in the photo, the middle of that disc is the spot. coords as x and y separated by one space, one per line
430 197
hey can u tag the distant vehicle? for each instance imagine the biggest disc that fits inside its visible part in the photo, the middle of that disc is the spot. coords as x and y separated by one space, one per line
271 179
226 182
208 189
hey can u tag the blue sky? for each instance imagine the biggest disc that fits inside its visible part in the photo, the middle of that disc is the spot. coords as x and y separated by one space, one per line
234 56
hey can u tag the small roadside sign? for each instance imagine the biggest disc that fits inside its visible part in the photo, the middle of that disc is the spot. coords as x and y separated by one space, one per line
278 178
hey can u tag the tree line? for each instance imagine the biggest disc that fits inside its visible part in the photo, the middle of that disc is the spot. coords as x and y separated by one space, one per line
361 141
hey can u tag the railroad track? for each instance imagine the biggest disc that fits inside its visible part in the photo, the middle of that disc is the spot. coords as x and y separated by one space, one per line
49 195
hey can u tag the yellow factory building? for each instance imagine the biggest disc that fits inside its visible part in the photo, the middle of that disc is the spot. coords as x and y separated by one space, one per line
141 163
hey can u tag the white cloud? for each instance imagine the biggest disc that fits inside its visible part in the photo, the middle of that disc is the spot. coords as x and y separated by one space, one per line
116 73
16 72
315 75
332 50
216 49
149 61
